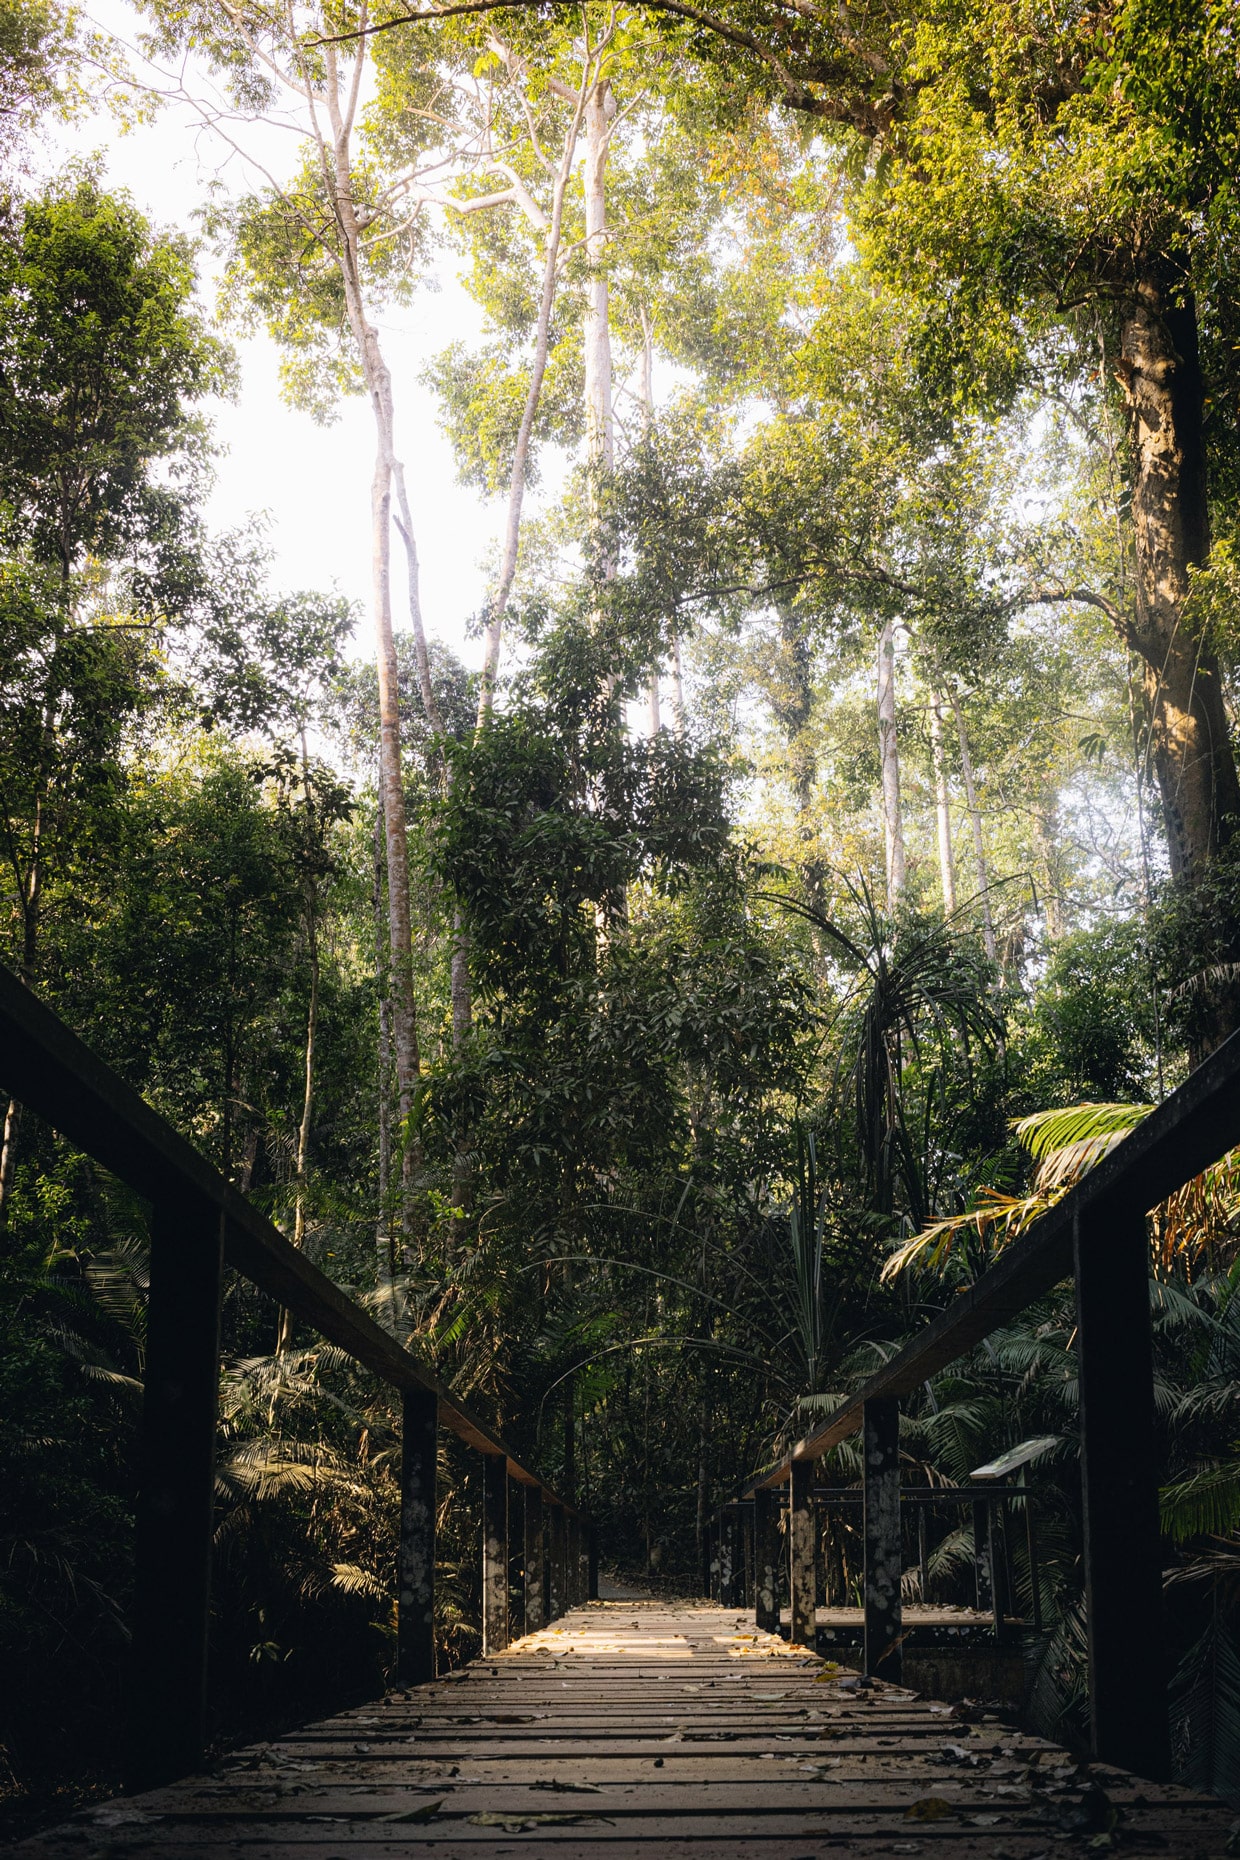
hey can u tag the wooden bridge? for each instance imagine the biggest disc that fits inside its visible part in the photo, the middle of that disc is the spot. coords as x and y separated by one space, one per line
643 1731
617 1727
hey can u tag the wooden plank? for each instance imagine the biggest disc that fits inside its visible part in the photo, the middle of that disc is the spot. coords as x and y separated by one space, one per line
699 1746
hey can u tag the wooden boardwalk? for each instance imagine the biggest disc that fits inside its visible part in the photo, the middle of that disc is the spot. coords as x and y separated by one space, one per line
636 1730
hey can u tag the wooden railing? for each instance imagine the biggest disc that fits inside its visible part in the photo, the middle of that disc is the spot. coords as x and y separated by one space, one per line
200 1224
1097 1237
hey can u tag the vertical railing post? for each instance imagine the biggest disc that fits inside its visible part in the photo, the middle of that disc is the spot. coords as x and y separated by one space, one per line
727 1552
172 1578
572 1585
1119 1492
516 1560
592 1564
494 1553
555 1561
802 1558
983 1558
766 1559
535 1562
415 1609
884 1561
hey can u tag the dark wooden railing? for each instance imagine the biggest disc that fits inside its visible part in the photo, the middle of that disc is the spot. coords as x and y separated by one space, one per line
1097 1237
200 1224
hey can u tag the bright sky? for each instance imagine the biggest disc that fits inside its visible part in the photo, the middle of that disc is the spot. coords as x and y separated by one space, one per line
313 482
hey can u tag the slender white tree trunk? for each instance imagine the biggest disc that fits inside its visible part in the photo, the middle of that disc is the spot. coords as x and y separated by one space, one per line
975 821
384 1246
647 400
337 160
596 331
942 804
889 759
678 688
520 462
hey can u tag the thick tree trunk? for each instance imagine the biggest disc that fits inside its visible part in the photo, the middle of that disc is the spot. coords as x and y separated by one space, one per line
889 759
1161 372
942 805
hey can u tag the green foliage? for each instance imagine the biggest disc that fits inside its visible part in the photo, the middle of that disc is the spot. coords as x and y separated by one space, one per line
99 355
1093 1029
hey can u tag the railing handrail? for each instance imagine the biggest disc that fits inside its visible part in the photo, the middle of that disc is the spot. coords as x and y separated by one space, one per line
1192 1128
47 1068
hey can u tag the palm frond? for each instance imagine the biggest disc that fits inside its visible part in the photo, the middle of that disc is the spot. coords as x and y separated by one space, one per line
1207 1504
1065 1142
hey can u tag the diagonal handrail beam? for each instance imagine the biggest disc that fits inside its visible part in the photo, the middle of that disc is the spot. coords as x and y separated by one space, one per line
1188 1131
50 1070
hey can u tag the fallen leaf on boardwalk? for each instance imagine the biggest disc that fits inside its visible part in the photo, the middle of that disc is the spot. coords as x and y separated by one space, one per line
569 1788
520 1824
427 1812
929 1808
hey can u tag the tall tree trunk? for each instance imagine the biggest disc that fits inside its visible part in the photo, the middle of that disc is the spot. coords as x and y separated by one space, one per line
460 987
493 637
385 1244
975 822
596 325
647 404
285 1330
337 162
1160 369
29 885
889 758
942 805
678 688
1044 835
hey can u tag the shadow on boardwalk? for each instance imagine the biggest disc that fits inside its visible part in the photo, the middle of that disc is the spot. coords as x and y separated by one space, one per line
639 1728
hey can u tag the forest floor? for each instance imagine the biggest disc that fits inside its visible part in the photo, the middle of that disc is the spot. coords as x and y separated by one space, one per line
640 1729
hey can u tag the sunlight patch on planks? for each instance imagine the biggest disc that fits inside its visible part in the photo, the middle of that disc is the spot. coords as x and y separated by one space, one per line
637 1730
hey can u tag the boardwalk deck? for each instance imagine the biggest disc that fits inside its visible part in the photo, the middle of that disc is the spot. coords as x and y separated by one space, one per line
632 1730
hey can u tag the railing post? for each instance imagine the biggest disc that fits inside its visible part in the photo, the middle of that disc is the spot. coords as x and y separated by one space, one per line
535 1561
494 1553
766 1559
983 1558
592 1564
572 1584
415 1613
802 1560
172 1577
727 1550
555 1561
884 1560
1119 1491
